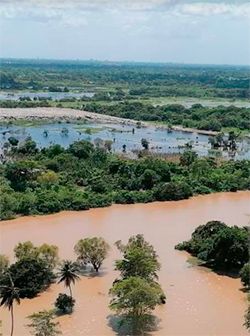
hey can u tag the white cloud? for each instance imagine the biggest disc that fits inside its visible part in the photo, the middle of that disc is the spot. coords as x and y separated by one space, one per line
130 12
207 9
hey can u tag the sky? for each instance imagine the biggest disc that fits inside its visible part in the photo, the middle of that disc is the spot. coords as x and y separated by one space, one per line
179 31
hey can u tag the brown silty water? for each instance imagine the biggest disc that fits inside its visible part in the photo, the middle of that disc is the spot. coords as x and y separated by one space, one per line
199 302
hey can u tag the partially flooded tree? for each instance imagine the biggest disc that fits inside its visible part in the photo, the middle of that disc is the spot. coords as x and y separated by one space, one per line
92 251
136 293
139 259
68 274
134 299
25 250
64 303
145 143
43 324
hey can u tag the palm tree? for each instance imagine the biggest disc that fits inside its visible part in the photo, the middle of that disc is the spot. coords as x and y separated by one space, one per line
9 295
68 273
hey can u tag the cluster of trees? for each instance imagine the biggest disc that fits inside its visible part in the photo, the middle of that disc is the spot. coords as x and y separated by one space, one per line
36 267
134 294
197 116
34 181
149 80
220 247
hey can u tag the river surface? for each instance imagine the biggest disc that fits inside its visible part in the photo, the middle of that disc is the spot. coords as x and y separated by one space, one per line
199 302
160 140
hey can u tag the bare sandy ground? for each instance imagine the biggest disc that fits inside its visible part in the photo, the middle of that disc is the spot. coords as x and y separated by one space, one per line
67 113
57 113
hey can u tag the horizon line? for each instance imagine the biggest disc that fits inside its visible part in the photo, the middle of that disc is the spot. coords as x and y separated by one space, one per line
120 62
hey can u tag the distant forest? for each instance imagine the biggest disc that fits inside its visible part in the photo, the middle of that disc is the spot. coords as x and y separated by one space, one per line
137 79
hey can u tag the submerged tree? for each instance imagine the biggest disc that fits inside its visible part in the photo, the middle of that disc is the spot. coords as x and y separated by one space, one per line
136 293
218 245
30 275
92 251
139 259
64 303
135 298
68 274
145 143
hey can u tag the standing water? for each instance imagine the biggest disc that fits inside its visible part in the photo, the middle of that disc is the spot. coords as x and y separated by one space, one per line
160 139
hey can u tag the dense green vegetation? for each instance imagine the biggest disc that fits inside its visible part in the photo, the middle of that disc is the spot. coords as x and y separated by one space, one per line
136 79
219 246
197 116
34 181
245 275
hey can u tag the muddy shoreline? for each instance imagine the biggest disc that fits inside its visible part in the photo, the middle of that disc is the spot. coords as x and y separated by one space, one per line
57 114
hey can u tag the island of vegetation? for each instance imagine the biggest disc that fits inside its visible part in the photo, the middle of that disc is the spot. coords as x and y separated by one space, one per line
224 249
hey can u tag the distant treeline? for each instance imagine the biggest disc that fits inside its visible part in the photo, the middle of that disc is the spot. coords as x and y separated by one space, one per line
151 80
197 116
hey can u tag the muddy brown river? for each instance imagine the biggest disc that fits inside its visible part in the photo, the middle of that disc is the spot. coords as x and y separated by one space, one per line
199 302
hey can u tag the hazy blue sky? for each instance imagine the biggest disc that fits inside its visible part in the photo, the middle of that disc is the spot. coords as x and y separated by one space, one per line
188 31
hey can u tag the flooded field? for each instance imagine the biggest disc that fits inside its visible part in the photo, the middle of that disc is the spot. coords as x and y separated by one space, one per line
44 95
199 302
160 139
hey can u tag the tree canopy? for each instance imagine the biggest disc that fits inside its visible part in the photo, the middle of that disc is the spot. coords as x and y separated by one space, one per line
92 251
219 245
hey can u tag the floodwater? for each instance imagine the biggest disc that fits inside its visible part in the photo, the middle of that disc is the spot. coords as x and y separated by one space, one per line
160 140
44 95
199 302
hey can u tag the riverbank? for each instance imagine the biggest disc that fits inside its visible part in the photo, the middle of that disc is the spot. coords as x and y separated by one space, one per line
206 303
55 114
